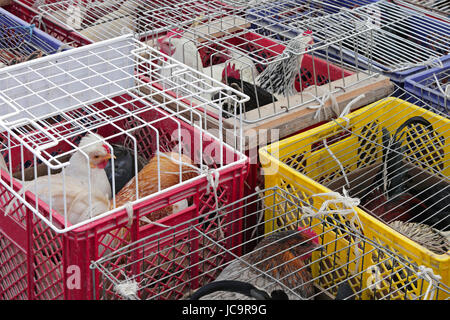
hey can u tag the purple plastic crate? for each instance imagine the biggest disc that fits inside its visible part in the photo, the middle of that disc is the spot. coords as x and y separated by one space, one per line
20 40
430 86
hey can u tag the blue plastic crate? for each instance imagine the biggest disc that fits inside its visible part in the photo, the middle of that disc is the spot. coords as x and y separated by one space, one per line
424 85
406 37
273 18
19 40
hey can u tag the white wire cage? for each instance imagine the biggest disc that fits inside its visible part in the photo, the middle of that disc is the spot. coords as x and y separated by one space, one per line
48 105
216 34
170 265
402 39
393 156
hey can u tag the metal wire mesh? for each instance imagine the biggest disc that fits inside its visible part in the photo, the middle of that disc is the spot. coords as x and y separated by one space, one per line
392 155
20 41
49 104
441 7
228 34
150 266
432 86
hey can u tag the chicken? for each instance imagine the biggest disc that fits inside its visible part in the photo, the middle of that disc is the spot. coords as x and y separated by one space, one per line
436 199
240 287
74 185
424 235
148 180
181 49
281 255
279 76
184 49
258 96
124 167
345 291
391 198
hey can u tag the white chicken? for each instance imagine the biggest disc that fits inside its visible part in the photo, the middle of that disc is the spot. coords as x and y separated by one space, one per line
184 50
69 192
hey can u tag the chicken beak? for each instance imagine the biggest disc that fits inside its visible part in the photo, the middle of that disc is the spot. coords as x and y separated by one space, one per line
108 156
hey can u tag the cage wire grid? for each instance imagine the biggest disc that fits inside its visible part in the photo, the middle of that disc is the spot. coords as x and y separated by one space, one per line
224 33
436 6
337 261
20 41
49 103
432 86
358 144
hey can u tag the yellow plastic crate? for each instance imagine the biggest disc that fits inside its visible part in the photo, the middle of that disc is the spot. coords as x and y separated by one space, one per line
304 166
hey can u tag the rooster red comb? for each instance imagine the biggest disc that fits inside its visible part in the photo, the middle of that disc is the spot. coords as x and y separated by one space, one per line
307 33
230 71
309 233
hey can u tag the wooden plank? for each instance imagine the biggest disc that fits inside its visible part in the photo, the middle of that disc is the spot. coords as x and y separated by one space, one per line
291 122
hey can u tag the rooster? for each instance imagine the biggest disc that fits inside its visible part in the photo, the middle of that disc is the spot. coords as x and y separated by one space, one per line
279 76
124 169
258 96
281 255
240 287
148 179
345 291
71 191
392 199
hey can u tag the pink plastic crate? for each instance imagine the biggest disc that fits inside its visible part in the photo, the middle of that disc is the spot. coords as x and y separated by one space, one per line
38 263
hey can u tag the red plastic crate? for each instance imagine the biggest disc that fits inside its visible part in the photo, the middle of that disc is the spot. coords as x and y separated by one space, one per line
39 263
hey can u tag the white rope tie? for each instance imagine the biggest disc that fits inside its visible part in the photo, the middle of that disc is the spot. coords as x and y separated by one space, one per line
427 274
212 176
348 108
337 161
322 102
348 205
129 210
39 21
445 92
127 288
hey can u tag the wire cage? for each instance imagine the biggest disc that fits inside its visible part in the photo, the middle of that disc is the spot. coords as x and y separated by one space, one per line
20 41
432 86
213 35
28 11
402 41
440 7
66 117
392 155
167 265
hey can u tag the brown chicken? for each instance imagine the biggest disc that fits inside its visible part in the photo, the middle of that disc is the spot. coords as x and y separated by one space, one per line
148 180
283 256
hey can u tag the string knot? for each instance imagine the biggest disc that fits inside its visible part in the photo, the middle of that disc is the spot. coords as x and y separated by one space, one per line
428 275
